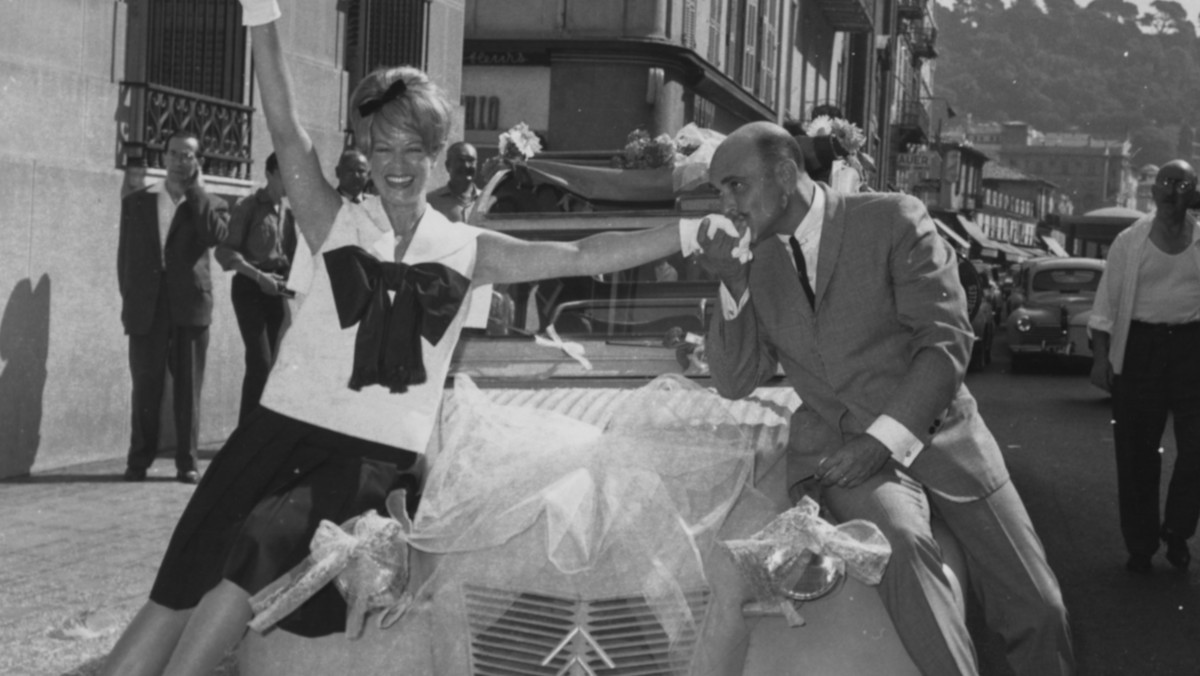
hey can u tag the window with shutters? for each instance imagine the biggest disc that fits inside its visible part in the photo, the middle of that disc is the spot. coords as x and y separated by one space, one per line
750 46
733 39
689 24
384 33
187 70
714 32
769 50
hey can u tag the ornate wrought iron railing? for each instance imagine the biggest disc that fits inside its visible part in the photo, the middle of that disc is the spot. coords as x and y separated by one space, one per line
914 116
911 9
154 112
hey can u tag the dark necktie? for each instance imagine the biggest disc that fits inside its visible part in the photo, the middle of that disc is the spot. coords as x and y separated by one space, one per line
802 268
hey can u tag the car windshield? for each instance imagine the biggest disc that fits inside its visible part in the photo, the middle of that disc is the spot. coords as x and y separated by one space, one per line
1066 280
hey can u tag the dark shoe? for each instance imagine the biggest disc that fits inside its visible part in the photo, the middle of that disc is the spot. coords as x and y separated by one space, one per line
190 476
135 474
1177 552
1140 564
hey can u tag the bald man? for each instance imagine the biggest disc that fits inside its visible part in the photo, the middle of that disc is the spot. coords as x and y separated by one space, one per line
353 175
454 198
858 298
1145 328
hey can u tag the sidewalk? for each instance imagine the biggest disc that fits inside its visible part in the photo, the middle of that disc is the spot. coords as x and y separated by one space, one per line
79 549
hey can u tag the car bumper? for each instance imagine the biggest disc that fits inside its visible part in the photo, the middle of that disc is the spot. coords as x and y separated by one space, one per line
1075 343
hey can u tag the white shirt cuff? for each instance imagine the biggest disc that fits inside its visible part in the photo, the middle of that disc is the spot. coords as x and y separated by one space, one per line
689 235
903 444
731 308
259 12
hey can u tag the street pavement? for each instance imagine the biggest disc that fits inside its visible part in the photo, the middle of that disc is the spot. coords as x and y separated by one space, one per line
79 547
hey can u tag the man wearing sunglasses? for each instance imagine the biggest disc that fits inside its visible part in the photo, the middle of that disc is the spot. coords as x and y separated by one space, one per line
1145 328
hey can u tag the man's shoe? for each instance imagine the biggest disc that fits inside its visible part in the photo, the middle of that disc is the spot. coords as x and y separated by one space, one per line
1140 564
1177 552
135 474
190 476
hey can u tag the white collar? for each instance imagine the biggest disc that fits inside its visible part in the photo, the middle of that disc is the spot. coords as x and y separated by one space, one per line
810 225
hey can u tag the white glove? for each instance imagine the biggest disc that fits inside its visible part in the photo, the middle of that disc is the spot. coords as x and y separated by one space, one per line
259 12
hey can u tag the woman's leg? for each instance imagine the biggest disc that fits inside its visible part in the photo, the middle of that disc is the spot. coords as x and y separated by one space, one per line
147 643
215 628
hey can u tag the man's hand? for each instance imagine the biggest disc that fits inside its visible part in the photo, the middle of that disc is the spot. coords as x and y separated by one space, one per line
719 256
270 283
1102 373
853 463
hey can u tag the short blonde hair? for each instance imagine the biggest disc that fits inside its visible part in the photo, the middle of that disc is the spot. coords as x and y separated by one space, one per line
422 108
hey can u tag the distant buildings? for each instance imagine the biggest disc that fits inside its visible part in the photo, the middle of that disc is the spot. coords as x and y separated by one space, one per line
1093 172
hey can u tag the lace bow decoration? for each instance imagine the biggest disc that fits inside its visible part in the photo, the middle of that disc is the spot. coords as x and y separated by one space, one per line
367 558
387 348
776 557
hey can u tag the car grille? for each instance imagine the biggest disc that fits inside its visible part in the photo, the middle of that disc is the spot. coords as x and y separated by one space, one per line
518 633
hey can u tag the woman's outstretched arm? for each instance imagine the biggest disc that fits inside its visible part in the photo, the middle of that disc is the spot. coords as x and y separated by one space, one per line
313 200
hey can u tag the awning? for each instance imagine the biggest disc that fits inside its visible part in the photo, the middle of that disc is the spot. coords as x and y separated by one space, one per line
955 238
1054 247
990 248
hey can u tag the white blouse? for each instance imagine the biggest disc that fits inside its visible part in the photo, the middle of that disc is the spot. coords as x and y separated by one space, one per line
310 380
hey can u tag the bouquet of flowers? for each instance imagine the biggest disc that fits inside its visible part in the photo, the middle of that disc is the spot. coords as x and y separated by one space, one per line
643 152
846 132
519 143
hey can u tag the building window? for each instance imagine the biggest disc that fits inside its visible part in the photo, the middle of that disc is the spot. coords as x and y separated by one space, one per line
714 32
689 24
384 33
750 46
769 53
186 70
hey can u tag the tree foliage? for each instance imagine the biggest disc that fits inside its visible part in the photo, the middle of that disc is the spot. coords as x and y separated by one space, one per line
1100 69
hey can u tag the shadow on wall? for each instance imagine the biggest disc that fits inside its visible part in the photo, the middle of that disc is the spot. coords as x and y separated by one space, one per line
24 348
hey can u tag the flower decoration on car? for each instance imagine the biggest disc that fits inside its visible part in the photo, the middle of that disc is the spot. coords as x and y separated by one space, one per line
846 132
643 152
519 143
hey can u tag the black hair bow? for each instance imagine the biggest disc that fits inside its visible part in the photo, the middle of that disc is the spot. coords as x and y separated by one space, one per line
387 348
376 103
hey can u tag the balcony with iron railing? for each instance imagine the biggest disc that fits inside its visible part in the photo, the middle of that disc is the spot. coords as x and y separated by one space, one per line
912 9
922 40
913 121
849 16
154 112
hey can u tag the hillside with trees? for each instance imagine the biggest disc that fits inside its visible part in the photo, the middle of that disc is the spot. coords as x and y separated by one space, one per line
1103 69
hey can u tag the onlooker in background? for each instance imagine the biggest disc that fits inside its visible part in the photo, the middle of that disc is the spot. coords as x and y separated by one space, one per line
166 292
1145 326
353 175
260 247
454 198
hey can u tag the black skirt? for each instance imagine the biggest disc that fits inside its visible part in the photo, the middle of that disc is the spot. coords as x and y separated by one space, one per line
255 511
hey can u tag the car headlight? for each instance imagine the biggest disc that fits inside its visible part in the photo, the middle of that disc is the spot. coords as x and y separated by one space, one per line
1024 323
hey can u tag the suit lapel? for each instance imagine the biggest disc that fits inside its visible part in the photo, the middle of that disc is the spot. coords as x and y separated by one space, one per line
780 279
831 242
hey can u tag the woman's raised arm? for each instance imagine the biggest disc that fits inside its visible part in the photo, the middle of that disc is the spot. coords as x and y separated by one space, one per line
314 202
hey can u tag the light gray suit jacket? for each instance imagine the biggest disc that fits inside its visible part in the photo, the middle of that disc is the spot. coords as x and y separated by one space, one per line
889 335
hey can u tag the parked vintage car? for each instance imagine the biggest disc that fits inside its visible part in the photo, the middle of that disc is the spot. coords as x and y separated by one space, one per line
1050 305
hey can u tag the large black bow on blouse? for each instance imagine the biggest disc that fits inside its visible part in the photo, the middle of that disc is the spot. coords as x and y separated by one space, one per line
387 349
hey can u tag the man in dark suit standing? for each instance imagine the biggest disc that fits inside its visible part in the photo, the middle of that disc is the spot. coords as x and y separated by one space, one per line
858 299
166 291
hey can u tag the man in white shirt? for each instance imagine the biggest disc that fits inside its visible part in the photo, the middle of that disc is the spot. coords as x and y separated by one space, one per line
858 299
1145 326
